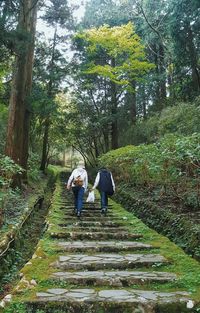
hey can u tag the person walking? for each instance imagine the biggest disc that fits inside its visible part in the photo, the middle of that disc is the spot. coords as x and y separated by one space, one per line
105 183
78 181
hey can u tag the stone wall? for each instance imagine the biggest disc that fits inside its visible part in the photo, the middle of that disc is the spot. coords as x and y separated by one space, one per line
179 229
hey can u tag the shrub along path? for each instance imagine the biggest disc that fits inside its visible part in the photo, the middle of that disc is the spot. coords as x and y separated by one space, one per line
104 265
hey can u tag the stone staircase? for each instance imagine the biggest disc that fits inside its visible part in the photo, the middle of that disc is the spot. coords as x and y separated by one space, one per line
103 267
100 253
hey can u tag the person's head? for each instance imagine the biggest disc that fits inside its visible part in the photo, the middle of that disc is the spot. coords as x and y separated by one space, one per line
81 164
103 168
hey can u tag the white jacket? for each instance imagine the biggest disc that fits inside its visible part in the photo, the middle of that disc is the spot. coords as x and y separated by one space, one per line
78 172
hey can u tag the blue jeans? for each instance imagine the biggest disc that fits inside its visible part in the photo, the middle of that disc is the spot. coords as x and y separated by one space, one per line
104 200
78 197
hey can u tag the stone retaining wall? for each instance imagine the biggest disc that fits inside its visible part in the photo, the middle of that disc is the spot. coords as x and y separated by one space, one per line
179 229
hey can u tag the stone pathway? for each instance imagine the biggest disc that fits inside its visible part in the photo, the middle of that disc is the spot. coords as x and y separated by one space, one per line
98 266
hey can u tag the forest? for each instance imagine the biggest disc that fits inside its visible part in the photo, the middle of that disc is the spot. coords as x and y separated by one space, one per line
122 73
116 82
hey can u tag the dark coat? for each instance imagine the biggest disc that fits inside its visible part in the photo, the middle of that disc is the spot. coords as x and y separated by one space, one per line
105 182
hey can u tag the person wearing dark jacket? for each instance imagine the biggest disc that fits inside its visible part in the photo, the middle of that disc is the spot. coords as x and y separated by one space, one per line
105 184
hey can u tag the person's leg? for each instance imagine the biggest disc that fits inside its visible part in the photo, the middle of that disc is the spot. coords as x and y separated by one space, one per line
75 192
104 201
80 200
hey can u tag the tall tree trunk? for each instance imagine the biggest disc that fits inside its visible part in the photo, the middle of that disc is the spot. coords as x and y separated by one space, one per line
45 144
64 157
96 149
106 139
132 103
162 72
161 89
20 85
193 58
114 103
27 117
47 120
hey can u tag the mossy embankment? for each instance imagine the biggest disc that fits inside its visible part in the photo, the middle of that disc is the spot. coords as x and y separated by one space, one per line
20 237
159 183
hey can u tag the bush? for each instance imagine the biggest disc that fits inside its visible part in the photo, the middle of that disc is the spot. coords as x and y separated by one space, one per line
180 119
33 167
3 124
7 170
171 165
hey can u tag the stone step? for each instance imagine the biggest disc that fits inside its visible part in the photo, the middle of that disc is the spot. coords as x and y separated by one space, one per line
107 301
107 261
92 229
93 213
113 278
83 224
85 208
94 235
102 246
94 218
70 203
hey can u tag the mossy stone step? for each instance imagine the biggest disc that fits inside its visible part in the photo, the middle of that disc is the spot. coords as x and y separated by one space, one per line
92 229
85 208
92 213
94 218
94 235
113 278
83 224
107 261
102 246
90 208
107 301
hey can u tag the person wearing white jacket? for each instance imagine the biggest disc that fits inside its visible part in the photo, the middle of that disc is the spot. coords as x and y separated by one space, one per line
78 181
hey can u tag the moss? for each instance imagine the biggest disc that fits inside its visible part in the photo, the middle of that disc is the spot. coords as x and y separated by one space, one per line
187 268
179 229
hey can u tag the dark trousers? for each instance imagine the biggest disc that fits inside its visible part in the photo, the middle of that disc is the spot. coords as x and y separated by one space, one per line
104 200
78 197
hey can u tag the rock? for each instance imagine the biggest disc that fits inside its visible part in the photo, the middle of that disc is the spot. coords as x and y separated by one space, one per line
33 282
2 304
190 304
8 298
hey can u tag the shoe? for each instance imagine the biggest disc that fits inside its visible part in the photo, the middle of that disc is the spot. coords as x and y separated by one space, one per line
103 211
78 214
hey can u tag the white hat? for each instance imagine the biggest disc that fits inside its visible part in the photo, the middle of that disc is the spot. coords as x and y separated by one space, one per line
81 164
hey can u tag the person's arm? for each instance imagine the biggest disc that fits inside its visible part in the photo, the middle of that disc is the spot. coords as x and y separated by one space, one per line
70 180
86 181
113 183
96 181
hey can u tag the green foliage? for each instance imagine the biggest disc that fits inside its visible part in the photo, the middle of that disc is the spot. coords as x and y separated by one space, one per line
180 119
119 43
8 168
8 196
33 167
172 164
3 123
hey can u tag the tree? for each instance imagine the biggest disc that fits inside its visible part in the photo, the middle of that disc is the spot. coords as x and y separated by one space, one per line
18 120
121 60
52 66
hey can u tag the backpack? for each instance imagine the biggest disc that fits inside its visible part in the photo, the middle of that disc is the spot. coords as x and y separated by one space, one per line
78 181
